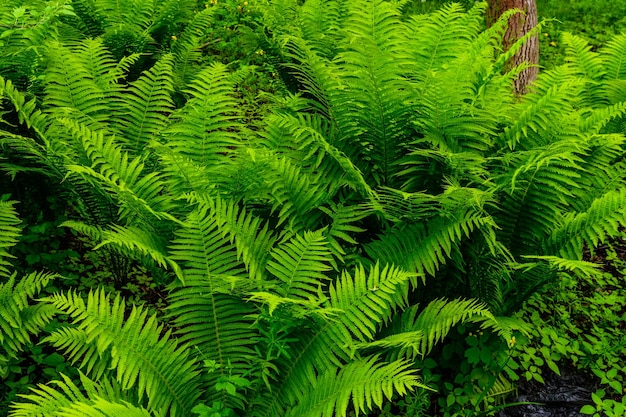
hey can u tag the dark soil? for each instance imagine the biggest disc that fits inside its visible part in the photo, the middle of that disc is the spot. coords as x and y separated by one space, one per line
561 396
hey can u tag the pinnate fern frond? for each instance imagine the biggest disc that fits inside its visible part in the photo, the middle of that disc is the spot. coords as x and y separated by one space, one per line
27 110
96 399
361 303
113 171
142 356
77 82
146 104
602 220
9 234
300 264
19 316
360 386
205 129
422 247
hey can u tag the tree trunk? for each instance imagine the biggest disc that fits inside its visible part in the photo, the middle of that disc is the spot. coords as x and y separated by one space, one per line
519 25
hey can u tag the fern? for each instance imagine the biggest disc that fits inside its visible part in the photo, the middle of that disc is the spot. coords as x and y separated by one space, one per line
602 220
363 303
139 354
9 234
358 386
101 399
144 107
300 264
204 130
19 317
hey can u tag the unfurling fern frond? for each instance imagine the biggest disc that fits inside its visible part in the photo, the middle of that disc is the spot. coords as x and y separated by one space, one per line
141 356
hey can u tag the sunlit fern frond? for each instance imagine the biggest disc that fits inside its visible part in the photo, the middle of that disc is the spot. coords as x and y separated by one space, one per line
119 176
603 219
614 62
300 265
20 317
361 386
65 398
142 356
363 302
422 247
81 82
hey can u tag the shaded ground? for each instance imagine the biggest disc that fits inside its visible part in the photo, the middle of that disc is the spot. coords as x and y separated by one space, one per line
561 396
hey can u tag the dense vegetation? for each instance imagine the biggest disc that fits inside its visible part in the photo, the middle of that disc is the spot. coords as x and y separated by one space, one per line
286 208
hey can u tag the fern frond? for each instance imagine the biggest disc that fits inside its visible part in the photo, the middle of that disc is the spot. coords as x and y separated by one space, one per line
362 302
537 190
296 195
101 399
9 234
131 240
140 196
142 356
300 265
186 49
146 104
603 219
27 110
541 112
319 23
360 386
19 319
205 129
439 316
307 140
438 37
422 248
77 85
575 266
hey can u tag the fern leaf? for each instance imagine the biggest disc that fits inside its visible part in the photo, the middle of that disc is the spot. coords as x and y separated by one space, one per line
300 264
362 303
205 129
358 386
9 234
145 106
131 240
102 399
602 220
19 319
141 355
439 316
27 110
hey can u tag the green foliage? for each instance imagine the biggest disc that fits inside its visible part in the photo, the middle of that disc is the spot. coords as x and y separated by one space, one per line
316 257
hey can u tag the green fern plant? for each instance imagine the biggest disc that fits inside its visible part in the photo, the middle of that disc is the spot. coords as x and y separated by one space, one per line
20 316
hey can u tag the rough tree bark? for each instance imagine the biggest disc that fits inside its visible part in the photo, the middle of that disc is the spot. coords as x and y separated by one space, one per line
519 25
